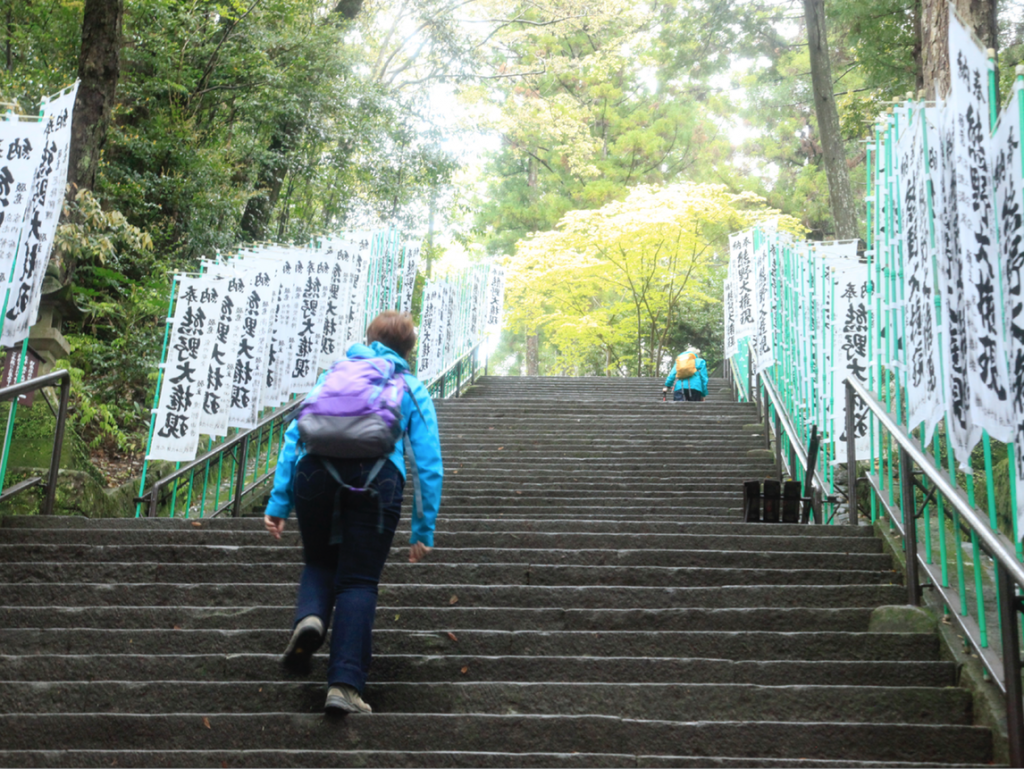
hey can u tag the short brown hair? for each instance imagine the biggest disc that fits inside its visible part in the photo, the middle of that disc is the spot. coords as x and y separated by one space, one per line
393 329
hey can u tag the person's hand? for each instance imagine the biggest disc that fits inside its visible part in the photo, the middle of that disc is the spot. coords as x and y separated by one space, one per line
274 525
417 552
664 389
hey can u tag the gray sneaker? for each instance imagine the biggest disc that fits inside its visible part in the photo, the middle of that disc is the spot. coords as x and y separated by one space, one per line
342 698
306 639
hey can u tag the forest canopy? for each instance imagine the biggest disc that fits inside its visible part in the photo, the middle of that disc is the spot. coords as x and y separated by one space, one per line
601 151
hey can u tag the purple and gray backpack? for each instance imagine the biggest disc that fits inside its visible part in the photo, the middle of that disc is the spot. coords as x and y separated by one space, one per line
356 413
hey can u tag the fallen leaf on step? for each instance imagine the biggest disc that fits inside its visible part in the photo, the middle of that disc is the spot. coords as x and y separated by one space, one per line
453 637
223 765
177 627
519 492
501 448
206 722
455 472
454 600
465 669
397 616
197 524
261 688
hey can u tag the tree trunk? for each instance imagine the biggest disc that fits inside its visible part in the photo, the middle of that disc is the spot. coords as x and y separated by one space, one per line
979 16
270 178
532 355
99 67
844 210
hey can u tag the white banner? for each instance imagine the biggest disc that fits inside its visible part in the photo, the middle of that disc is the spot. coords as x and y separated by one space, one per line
851 352
248 377
763 341
431 338
228 295
193 327
41 216
729 304
924 391
740 253
21 145
496 299
988 384
412 257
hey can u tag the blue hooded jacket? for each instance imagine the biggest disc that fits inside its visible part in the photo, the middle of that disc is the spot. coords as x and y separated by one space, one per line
421 425
699 381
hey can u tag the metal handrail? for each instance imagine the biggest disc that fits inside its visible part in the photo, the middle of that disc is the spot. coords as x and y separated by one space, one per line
22 388
1009 571
456 366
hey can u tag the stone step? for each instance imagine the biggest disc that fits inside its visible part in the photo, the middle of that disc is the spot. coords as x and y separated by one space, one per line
231 595
300 758
502 733
435 573
456 667
207 531
434 618
516 551
658 701
735 645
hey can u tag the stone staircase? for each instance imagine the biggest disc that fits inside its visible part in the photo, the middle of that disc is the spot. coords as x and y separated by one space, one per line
593 601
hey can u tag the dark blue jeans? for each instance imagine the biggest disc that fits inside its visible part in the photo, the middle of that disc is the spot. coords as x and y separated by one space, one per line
343 578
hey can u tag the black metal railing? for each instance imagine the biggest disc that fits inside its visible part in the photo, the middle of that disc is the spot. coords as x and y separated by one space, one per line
12 393
235 468
974 604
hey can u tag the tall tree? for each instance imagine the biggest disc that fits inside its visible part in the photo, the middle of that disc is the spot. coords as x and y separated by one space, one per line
99 69
979 15
844 207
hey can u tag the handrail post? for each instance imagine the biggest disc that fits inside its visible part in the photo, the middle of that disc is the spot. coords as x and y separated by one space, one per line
767 427
458 380
58 445
750 377
236 509
909 526
778 444
851 458
1009 605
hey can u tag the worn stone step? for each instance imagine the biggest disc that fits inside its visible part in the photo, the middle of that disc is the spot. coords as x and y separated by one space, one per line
516 552
525 596
434 618
670 702
433 573
502 733
442 759
815 645
456 667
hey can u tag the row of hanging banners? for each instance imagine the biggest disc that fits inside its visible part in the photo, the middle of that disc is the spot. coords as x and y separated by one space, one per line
933 320
255 329
33 176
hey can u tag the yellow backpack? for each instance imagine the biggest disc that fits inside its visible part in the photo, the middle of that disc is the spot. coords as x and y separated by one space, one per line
686 365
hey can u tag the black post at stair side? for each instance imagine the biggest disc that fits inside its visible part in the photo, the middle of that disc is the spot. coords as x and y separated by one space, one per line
778 445
909 526
1009 606
851 458
58 444
767 425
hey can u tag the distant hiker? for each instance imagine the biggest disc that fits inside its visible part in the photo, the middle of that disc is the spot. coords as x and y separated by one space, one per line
690 373
348 508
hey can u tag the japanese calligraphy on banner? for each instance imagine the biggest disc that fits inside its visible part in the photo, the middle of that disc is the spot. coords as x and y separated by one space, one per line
763 331
731 347
988 387
740 252
851 328
46 196
227 296
431 338
496 298
21 145
412 256
924 386
259 289
193 327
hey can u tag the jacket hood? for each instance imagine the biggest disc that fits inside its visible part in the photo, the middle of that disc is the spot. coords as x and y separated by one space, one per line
378 350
